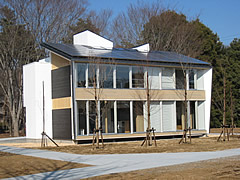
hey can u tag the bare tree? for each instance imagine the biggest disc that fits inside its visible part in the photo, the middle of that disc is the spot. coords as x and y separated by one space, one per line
223 100
171 31
101 20
17 48
48 20
127 27
100 76
150 95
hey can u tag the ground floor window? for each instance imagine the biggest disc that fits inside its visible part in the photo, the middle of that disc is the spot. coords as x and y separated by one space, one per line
123 117
193 115
138 118
107 116
92 116
180 115
131 116
168 118
155 115
82 125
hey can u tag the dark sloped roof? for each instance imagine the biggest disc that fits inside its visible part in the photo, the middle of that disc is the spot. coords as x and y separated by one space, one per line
75 52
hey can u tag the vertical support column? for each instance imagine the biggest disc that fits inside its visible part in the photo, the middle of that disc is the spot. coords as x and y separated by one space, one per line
188 114
195 78
145 78
196 114
76 116
87 117
115 117
131 116
114 77
187 79
73 109
130 77
86 74
160 78
99 114
97 76
145 116
174 78
76 119
161 118
174 116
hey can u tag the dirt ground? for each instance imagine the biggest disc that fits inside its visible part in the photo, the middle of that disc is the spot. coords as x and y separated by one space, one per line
218 130
227 168
4 135
224 168
170 145
12 165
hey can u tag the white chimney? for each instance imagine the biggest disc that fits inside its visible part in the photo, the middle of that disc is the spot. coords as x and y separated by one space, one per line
89 38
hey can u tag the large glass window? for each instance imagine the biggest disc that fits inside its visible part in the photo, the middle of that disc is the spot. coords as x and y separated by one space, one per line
153 77
107 116
81 75
192 115
122 76
155 115
167 78
137 77
92 75
138 119
82 117
179 79
123 116
92 116
180 115
168 119
191 79
106 76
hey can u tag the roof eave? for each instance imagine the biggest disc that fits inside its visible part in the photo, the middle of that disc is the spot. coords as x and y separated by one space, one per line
50 48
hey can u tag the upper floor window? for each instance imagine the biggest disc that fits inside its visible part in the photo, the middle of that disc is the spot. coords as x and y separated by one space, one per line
137 77
92 75
191 79
168 78
106 76
81 75
179 73
153 77
122 77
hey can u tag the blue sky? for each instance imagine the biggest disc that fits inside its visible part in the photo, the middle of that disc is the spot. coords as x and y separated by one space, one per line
221 16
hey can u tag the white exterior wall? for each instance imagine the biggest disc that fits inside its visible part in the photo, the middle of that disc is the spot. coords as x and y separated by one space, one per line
33 76
201 115
208 90
200 80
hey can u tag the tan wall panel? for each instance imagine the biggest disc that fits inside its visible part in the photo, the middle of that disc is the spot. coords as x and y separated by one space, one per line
137 94
61 103
58 61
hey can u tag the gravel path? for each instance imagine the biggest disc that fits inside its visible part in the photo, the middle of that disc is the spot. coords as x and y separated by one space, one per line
113 163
